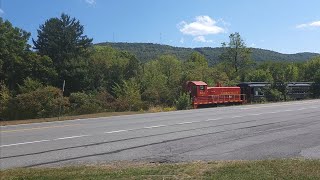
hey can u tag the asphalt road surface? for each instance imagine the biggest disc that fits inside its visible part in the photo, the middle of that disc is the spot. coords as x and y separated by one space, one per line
265 131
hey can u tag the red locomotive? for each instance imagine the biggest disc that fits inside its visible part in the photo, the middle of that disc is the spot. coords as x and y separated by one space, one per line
202 95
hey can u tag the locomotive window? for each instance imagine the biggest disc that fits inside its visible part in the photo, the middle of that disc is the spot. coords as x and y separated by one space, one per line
202 88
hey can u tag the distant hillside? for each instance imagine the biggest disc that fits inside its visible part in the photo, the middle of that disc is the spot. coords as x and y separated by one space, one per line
148 51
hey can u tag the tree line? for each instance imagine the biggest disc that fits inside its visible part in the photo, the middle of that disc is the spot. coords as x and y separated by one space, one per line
100 78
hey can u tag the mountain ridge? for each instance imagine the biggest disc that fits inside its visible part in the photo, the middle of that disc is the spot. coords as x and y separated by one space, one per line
149 51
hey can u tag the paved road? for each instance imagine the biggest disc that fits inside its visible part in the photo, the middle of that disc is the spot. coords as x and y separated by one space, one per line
279 130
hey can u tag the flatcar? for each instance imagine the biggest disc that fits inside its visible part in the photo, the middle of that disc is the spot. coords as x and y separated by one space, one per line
202 95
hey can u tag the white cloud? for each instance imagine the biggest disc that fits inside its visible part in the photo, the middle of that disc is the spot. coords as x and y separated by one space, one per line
1 11
312 24
91 2
202 39
203 25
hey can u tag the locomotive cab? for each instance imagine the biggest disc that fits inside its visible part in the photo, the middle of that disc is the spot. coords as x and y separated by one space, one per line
197 88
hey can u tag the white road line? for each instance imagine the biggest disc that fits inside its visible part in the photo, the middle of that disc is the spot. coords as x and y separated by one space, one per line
45 140
31 142
71 137
158 126
111 132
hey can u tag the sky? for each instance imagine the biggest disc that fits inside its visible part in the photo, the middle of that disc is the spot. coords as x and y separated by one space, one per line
286 26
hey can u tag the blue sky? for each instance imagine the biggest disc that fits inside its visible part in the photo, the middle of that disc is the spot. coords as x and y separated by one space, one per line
287 26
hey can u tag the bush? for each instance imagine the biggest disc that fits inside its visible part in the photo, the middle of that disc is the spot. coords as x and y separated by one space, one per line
82 103
43 102
183 102
5 98
30 85
105 100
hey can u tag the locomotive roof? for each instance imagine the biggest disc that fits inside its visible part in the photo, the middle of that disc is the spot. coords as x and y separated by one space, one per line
254 84
199 83
300 83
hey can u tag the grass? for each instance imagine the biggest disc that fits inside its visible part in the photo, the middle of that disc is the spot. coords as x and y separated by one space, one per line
85 116
264 169
63 118
97 115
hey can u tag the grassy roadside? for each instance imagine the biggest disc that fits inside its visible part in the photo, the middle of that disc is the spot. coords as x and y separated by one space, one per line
264 169
63 118
98 115
85 116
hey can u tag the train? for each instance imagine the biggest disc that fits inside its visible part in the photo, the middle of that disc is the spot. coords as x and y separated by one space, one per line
202 95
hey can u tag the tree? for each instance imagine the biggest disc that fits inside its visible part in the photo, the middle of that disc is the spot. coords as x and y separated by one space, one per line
128 94
13 45
236 55
291 73
311 67
259 75
63 41
196 68
108 67
198 58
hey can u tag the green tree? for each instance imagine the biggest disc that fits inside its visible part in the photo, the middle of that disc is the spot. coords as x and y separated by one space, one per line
154 84
311 67
198 58
63 41
13 45
108 67
236 55
17 62
29 85
291 73
128 95
39 68
196 69
161 81
259 75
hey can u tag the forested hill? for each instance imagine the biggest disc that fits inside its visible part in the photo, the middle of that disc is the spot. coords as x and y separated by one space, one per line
148 51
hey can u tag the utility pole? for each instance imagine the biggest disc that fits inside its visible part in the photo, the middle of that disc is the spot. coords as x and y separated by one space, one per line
61 98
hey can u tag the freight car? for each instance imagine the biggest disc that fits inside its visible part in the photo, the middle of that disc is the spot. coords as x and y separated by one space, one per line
255 91
299 90
202 95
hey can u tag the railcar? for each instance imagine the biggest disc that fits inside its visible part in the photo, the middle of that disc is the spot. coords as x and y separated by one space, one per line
299 90
202 95
254 91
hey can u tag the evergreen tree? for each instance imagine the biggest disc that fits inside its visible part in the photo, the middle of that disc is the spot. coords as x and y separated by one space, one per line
63 41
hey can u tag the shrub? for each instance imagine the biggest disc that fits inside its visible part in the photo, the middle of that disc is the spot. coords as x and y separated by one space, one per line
30 85
43 102
183 102
5 98
105 100
128 96
82 103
